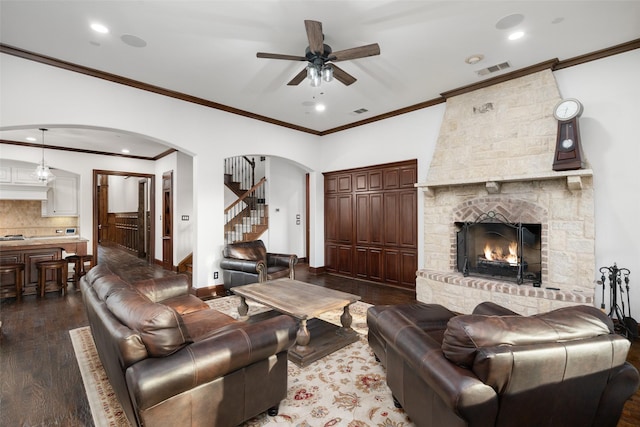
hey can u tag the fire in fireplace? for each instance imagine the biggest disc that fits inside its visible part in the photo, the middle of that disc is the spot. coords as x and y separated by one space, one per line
492 246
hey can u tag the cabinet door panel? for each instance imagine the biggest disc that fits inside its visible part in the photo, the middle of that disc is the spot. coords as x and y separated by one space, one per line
391 266
331 218
331 185
362 219
376 219
360 181
391 218
391 179
30 260
409 266
408 177
375 264
345 218
331 258
344 184
375 180
361 265
345 260
408 223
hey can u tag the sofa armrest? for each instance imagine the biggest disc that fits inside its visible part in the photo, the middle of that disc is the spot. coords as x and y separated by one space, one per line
247 266
460 389
163 288
154 380
285 260
622 384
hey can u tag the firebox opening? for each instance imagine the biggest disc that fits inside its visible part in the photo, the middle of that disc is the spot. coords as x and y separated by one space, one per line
491 246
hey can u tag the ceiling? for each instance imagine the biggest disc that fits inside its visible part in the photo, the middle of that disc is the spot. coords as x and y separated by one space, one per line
207 49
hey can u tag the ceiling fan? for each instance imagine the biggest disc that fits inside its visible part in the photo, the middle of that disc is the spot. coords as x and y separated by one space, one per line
321 58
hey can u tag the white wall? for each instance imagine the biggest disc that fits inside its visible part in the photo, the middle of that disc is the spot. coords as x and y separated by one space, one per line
287 189
610 127
123 194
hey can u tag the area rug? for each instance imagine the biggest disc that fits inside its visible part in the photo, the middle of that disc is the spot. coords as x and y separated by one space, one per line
346 388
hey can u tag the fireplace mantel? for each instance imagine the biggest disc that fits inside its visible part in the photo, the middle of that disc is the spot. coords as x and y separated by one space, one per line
574 181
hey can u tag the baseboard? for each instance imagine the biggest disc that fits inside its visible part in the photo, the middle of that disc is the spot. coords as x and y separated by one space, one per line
317 270
209 292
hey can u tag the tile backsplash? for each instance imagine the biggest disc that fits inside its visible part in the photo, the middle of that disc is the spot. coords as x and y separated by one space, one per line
25 217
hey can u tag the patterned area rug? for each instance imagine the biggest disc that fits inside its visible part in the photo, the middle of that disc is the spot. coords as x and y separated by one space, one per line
346 388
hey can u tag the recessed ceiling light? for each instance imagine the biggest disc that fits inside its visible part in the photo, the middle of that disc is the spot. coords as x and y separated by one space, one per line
99 28
517 35
320 107
125 151
31 138
133 41
474 59
509 21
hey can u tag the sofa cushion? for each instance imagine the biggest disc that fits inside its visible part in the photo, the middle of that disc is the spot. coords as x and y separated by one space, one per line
467 333
185 304
159 326
99 270
104 286
204 323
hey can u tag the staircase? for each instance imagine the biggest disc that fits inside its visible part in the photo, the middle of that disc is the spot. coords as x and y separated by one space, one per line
247 217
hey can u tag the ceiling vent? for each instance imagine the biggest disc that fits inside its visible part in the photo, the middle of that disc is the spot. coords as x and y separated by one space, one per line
360 111
493 69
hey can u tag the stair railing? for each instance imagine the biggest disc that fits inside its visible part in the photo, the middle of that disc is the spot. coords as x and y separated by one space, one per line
241 169
247 211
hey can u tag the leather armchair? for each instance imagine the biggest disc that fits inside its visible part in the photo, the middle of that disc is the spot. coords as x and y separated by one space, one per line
249 262
564 368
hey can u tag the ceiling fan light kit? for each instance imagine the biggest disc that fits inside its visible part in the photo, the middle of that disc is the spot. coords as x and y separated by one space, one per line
321 58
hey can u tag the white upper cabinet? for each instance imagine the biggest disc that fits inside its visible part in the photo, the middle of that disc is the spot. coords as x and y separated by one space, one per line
62 197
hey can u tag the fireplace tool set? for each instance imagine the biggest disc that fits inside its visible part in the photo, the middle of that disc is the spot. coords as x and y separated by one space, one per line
625 325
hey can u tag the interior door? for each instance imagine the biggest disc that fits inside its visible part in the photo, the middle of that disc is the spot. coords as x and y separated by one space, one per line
167 220
142 218
103 208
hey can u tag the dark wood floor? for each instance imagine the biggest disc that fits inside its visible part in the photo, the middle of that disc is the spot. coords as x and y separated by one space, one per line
40 384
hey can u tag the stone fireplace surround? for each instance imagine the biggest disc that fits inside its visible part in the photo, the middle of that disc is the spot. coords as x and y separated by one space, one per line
494 153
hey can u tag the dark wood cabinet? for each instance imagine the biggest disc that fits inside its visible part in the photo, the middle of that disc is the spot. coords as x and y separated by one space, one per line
29 257
371 223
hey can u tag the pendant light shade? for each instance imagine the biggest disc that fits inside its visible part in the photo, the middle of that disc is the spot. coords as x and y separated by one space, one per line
43 173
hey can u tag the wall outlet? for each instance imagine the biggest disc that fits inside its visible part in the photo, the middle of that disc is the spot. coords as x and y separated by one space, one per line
185 217
215 275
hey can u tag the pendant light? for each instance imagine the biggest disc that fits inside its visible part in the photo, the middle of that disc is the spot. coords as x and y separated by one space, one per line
42 172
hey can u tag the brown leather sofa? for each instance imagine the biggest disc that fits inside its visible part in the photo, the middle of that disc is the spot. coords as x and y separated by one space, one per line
249 262
563 368
173 361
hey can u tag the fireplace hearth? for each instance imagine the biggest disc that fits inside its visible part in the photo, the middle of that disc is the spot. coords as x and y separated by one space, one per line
491 246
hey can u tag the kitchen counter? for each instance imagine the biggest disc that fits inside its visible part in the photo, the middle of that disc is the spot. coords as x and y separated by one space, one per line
72 244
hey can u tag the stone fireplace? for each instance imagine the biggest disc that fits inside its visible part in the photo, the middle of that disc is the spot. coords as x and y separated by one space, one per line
494 156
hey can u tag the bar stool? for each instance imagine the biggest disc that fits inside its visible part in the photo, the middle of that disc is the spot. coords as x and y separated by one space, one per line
59 267
79 263
17 269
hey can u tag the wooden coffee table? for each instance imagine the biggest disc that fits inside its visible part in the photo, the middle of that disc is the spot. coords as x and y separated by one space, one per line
316 338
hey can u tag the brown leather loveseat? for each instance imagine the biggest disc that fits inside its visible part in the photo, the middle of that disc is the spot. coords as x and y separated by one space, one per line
173 361
249 262
563 368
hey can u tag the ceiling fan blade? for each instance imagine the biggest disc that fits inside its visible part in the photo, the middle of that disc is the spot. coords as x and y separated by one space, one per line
314 34
342 76
298 78
355 52
279 56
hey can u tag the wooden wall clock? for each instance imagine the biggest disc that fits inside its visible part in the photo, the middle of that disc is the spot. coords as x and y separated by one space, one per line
568 154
